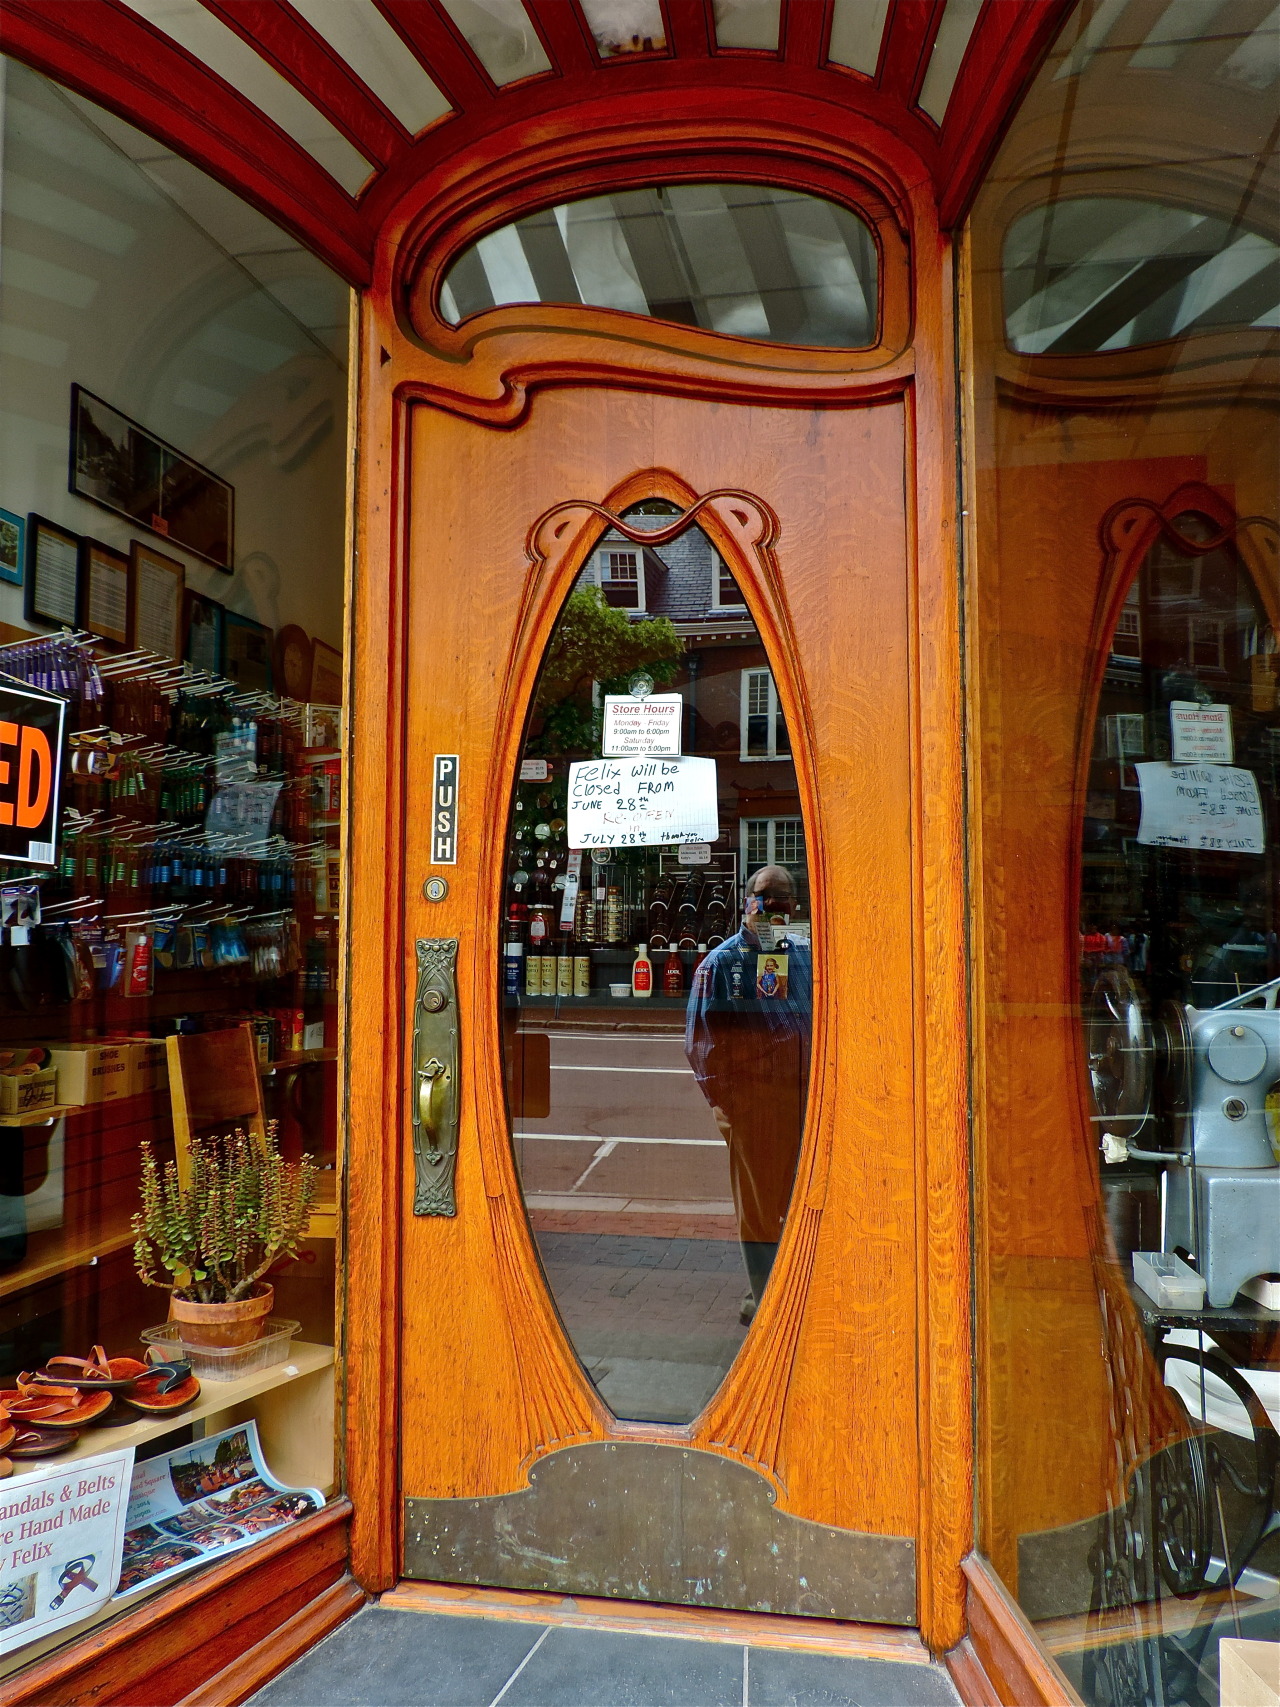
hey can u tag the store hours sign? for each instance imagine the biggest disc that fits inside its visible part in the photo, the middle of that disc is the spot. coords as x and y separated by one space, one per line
32 737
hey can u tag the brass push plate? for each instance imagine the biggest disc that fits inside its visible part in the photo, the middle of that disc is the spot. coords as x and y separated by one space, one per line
433 1089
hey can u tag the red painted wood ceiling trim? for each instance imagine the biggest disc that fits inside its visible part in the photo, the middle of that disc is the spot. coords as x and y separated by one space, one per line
287 42
109 53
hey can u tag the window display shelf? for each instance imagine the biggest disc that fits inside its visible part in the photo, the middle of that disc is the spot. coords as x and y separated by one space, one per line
40 1116
215 1397
61 1248
298 1058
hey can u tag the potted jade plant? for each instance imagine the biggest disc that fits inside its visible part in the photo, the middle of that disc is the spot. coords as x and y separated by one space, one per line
211 1242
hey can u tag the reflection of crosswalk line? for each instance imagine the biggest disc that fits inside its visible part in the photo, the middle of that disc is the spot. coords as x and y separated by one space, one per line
566 1067
608 1138
631 1205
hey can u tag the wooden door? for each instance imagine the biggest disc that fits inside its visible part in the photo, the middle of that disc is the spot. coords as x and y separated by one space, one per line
796 1486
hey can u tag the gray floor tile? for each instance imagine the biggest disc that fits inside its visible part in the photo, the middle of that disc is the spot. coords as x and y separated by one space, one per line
385 1658
780 1678
600 1668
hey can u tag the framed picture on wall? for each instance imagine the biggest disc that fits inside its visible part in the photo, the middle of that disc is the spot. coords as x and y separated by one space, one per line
104 592
13 533
157 583
52 590
246 652
326 674
119 464
202 632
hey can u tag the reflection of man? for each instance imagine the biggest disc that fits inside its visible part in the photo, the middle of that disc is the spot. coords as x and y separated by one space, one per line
748 1045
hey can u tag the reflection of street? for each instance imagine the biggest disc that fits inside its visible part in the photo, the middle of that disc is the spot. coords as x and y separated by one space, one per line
627 1183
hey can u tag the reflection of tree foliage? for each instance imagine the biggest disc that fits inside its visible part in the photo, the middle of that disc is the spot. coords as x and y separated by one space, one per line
594 642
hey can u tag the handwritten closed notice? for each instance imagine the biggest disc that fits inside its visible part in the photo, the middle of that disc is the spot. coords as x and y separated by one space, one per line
1215 808
641 803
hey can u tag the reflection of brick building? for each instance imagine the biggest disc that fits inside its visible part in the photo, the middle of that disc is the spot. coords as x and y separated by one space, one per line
732 712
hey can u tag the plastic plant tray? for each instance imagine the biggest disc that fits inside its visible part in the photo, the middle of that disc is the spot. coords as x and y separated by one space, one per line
227 1362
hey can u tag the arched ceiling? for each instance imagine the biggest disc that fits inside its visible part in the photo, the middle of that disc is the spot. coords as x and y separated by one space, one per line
321 112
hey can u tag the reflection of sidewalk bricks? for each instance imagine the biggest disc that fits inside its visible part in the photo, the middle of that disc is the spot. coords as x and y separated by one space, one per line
604 1281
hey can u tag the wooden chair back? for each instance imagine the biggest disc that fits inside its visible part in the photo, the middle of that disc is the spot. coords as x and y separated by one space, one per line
214 1086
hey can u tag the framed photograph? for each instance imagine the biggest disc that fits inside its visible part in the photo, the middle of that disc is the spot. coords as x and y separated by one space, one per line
323 726
104 592
246 652
119 464
13 534
202 632
293 661
156 586
52 590
326 674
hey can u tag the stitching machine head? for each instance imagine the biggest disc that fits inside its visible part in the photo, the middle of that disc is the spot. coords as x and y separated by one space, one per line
1215 1072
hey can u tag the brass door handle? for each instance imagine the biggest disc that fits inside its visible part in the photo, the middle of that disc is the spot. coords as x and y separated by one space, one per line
432 1081
433 1085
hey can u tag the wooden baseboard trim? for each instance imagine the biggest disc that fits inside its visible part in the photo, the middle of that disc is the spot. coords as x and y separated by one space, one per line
171 1644
1012 1659
973 1685
709 1624
249 1671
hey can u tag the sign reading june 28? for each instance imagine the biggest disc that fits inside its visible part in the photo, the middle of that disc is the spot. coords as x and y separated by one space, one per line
641 803
1212 807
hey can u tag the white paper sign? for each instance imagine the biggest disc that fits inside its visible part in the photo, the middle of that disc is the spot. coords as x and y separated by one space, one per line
1212 807
1201 733
694 853
533 770
61 1540
642 803
635 726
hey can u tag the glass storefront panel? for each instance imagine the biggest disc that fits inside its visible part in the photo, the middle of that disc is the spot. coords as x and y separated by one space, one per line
172 493
1124 599
657 983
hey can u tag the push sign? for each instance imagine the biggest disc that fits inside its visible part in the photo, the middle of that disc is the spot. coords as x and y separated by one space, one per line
32 732
444 810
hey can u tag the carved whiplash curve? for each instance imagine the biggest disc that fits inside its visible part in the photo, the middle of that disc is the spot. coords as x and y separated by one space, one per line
642 1521
658 1167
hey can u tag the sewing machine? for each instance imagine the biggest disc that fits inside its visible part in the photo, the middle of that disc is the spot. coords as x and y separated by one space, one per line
1217 1067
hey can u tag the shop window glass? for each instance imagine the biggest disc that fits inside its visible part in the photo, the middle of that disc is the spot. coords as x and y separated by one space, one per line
1124 602
1107 273
656 1011
169 939
752 260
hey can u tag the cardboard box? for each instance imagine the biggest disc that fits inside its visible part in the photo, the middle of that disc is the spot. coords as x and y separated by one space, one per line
150 1065
91 1073
22 1093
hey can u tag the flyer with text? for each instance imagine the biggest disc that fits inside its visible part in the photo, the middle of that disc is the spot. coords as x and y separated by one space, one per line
61 1535
199 1502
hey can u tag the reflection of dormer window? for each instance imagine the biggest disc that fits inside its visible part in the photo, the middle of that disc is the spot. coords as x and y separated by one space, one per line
1206 642
725 593
621 578
1127 640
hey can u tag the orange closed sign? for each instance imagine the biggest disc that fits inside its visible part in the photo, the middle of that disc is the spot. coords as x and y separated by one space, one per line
32 734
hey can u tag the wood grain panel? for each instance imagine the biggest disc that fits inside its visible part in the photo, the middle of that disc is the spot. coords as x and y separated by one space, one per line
856 1365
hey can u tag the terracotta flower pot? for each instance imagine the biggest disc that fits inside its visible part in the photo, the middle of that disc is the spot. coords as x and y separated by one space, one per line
224 1324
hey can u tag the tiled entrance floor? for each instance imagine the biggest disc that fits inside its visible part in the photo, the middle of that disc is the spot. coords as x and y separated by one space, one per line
386 1658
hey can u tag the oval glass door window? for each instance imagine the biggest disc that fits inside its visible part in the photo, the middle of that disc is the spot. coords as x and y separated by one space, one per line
657 997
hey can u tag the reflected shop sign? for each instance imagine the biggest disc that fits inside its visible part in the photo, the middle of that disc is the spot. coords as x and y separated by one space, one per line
32 741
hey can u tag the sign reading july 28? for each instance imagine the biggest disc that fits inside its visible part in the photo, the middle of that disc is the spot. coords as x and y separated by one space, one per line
641 803
444 810
32 730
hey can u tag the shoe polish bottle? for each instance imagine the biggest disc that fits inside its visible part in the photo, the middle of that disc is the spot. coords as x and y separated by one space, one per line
642 972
